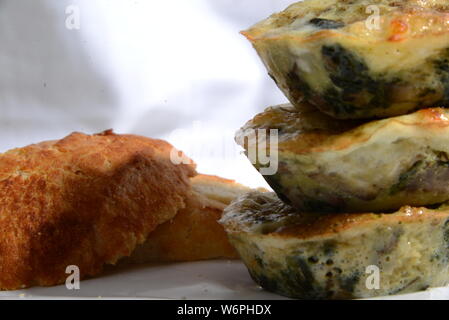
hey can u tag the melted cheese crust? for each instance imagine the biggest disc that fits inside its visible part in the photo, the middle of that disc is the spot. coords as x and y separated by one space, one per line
341 166
327 256
357 64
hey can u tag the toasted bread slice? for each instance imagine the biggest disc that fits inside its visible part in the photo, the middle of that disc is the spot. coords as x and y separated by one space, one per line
194 234
85 200
329 256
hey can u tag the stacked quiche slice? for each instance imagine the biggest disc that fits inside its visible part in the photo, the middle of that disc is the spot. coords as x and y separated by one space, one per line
361 153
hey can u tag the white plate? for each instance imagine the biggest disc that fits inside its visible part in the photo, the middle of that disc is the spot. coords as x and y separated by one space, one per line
199 280
224 280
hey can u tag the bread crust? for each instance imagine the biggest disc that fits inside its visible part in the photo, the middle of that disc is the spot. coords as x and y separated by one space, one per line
194 233
85 200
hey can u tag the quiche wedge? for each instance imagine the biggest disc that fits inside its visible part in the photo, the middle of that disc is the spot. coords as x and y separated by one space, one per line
358 59
329 165
348 256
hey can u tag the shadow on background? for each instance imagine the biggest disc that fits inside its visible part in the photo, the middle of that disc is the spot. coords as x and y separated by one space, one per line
49 84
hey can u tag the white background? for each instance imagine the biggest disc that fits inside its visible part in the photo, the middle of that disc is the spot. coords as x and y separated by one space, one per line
173 69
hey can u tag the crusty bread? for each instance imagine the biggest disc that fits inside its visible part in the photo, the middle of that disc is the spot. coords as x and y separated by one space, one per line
85 201
194 233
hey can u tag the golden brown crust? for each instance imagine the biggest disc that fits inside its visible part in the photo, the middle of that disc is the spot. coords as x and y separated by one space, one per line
265 214
194 233
401 20
218 190
85 201
304 130
331 224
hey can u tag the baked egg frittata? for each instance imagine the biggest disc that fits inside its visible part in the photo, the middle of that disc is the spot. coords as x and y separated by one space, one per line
359 58
329 165
326 256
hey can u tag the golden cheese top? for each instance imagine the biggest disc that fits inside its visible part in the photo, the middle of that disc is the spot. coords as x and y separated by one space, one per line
305 130
266 214
404 34
295 20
